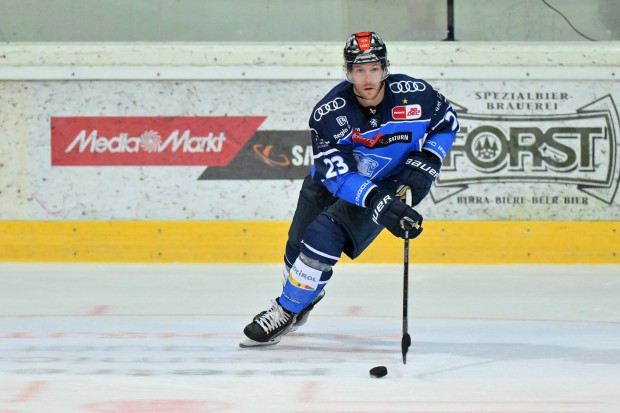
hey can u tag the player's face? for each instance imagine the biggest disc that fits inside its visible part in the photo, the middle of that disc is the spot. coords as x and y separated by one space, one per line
367 79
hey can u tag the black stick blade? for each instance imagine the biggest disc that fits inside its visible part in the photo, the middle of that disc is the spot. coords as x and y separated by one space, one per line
404 345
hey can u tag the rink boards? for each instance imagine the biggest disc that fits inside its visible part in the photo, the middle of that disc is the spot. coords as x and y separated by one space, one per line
125 153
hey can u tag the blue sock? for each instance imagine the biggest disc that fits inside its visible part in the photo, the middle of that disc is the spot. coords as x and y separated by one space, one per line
321 249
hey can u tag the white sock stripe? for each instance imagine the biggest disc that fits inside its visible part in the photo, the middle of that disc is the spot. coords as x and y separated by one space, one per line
322 254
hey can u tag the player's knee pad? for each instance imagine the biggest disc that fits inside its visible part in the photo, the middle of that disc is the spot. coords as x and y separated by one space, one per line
324 240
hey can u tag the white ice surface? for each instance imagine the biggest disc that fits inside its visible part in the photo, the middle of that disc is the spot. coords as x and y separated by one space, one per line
164 339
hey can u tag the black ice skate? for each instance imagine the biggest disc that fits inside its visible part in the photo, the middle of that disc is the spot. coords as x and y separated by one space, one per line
302 317
268 327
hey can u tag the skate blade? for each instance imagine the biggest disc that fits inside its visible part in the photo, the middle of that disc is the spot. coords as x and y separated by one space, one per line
249 343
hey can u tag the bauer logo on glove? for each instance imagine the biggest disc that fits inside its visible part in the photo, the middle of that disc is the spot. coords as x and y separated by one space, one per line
420 171
395 215
378 207
416 163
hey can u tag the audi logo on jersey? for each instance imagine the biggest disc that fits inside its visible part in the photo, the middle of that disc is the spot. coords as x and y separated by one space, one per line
405 86
323 110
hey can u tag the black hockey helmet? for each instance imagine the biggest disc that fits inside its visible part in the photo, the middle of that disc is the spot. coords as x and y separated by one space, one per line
365 47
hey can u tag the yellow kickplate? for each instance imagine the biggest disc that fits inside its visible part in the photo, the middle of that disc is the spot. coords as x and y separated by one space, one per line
476 242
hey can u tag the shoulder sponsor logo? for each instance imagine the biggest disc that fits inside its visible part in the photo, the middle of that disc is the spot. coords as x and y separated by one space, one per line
405 86
407 112
331 106
149 141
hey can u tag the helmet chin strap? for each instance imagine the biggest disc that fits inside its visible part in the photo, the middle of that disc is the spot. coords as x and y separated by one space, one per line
372 98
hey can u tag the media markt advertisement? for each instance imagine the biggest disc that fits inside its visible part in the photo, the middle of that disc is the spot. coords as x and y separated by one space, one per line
533 150
150 141
136 150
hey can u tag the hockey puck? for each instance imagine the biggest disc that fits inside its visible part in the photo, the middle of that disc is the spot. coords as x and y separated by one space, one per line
378 371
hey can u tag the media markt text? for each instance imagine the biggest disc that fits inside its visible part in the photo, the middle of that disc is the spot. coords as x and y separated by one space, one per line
124 143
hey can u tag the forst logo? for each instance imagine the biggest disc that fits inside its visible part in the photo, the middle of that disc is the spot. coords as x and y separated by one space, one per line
556 149
578 148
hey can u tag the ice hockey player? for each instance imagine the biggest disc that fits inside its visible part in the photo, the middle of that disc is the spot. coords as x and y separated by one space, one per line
372 135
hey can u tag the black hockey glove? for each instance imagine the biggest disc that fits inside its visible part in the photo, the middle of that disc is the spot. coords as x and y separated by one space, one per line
395 215
421 170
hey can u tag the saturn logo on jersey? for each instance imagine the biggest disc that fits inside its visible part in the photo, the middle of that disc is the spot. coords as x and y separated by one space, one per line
380 140
407 112
391 138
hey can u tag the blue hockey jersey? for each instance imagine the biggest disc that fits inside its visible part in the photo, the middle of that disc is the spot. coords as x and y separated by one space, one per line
354 149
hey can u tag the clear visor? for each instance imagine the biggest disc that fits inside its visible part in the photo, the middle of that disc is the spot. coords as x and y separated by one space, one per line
355 75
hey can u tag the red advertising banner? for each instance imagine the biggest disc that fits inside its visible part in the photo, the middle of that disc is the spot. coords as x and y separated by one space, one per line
150 141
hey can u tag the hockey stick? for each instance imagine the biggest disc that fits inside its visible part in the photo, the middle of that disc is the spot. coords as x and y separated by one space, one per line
406 340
